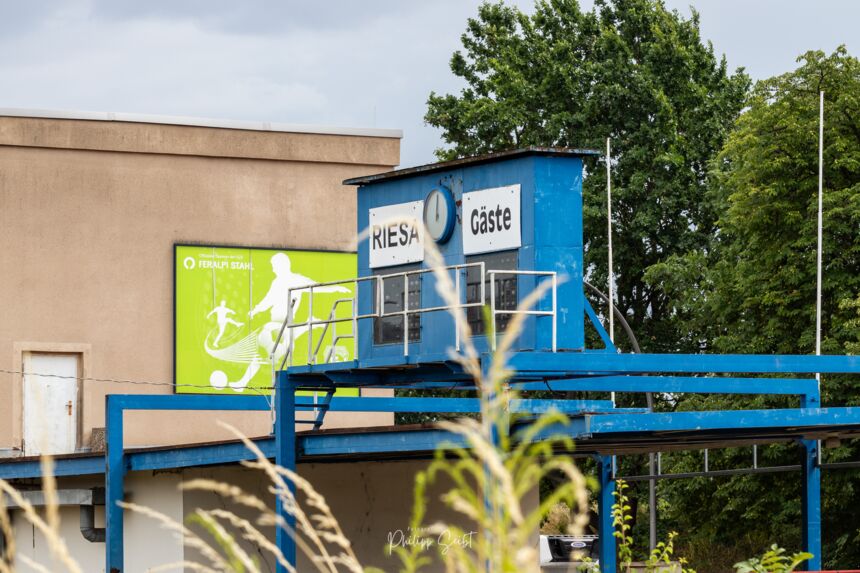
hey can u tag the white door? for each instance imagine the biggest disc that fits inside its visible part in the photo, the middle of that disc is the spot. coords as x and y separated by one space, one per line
50 403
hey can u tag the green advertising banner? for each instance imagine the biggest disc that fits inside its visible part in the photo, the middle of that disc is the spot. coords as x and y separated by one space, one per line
231 303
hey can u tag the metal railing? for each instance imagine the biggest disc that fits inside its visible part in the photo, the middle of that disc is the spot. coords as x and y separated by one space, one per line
406 312
289 326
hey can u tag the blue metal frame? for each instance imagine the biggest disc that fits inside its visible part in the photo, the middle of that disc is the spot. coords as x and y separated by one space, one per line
559 363
115 470
811 504
592 419
605 501
551 207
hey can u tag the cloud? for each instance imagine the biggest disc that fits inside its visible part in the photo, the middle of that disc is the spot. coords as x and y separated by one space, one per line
339 62
256 16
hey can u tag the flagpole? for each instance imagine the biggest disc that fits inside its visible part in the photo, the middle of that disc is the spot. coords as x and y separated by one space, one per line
609 235
820 230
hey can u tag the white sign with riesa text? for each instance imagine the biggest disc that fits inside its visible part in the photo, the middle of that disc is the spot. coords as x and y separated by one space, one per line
491 220
396 236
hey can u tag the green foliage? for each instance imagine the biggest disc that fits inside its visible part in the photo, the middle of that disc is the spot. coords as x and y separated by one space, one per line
621 522
661 559
630 70
753 290
774 560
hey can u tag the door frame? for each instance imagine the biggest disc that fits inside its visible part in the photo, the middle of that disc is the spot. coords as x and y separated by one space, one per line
19 349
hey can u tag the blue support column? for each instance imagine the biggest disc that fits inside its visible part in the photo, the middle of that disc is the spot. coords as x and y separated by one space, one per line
285 456
606 530
811 471
811 504
495 440
114 476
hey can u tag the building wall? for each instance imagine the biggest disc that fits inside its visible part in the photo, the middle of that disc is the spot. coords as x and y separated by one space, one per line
147 543
372 501
89 214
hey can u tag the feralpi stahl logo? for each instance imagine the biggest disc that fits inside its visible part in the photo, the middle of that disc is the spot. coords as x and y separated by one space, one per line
231 303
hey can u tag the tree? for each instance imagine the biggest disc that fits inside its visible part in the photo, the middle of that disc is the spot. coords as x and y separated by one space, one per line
753 289
630 70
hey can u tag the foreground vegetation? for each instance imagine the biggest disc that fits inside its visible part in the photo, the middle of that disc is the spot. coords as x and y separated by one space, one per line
491 481
715 200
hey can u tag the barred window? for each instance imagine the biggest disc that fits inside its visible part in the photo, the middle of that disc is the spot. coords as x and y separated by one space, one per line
389 329
505 285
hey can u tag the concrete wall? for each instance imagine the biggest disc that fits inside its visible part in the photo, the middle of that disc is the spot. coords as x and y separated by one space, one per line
89 214
147 544
371 500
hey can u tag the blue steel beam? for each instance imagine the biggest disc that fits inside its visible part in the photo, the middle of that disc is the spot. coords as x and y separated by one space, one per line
451 405
598 326
116 462
213 454
377 442
196 456
324 444
114 486
213 402
811 509
285 457
602 362
590 425
677 384
605 501
89 465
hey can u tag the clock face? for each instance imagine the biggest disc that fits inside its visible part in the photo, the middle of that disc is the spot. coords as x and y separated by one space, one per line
439 214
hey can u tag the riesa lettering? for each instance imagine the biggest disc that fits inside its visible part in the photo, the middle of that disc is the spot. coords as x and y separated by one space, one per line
485 221
393 235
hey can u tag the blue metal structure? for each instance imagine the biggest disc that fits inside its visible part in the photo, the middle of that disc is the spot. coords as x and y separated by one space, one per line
550 354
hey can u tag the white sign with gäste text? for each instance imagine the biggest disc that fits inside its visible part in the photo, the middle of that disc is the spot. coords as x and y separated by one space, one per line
491 220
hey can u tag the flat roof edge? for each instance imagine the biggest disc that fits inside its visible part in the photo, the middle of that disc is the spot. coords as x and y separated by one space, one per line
200 122
472 160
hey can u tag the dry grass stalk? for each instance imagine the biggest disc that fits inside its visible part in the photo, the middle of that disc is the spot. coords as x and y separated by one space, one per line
188 537
49 526
35 565
319 530
279 476
496 471
184 566
8 558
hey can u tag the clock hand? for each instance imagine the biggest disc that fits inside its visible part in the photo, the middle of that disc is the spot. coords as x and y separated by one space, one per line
437 207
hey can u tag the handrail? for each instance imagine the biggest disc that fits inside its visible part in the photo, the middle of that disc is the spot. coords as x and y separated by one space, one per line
407 311
379 311
335 336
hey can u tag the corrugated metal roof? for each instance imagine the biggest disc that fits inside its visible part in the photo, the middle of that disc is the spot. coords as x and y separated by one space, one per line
469 161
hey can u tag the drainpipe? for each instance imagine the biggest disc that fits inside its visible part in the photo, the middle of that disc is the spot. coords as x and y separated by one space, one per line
85 499
89 530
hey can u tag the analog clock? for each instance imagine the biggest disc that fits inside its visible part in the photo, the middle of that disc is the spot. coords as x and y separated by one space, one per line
440 214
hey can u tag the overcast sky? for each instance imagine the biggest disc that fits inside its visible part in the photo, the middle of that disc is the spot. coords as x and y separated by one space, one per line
368 63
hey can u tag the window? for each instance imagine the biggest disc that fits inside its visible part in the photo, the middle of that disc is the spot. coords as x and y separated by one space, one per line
505 288
389 329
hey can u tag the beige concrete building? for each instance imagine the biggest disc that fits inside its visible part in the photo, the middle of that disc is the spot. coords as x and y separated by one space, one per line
91 206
